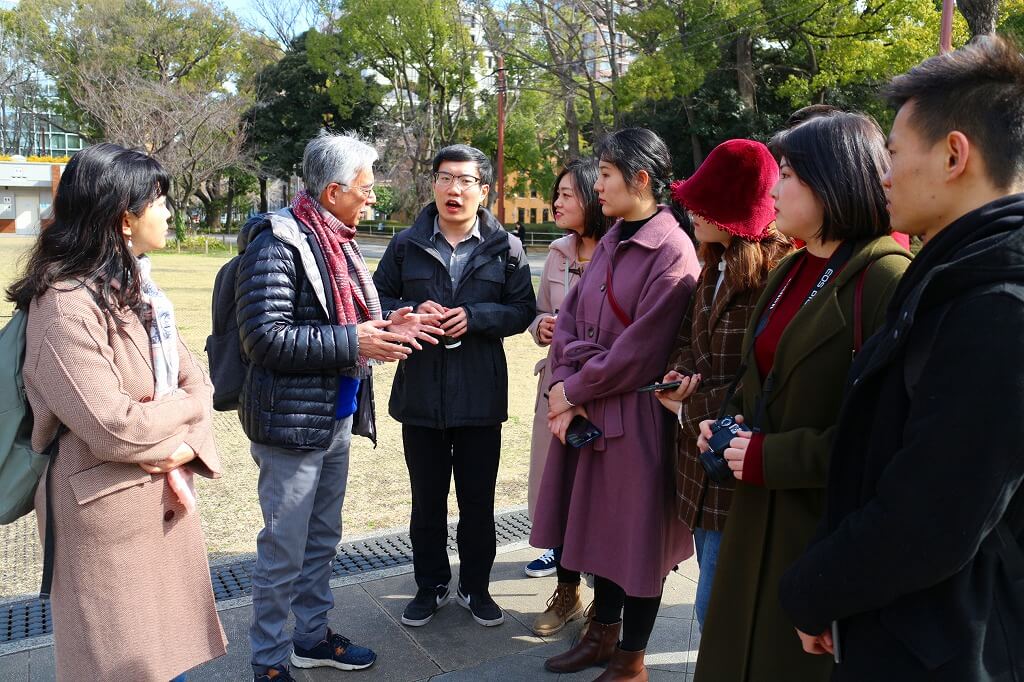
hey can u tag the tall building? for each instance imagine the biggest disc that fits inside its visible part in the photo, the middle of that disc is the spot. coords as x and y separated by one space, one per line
29 124
600 46
605 45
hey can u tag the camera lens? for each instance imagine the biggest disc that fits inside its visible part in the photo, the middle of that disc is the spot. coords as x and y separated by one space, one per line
715 466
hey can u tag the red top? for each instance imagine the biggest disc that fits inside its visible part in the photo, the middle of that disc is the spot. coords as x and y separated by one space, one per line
807 272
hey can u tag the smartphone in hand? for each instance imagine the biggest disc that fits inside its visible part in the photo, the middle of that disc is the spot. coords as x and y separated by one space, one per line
581 432
668 386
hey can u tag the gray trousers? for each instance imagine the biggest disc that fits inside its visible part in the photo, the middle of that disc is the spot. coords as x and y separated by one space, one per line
301 494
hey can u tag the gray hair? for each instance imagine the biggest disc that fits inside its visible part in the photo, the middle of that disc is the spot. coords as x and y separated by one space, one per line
334 157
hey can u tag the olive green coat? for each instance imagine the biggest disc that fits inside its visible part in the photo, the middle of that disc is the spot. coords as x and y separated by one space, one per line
746 636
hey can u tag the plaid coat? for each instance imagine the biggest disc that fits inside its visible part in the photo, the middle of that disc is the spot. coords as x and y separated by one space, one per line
709 343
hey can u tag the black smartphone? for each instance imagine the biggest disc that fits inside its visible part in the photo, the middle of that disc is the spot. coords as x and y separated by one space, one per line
581 432
660 387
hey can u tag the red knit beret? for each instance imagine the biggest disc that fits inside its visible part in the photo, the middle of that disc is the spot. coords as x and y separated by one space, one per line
732 188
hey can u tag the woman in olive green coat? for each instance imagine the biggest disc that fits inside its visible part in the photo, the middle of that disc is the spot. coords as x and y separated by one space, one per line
803 334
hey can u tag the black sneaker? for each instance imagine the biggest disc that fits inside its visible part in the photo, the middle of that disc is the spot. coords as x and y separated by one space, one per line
274 675
425 604
483 608
334 652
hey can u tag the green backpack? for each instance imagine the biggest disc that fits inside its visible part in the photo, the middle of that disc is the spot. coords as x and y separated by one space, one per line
20 466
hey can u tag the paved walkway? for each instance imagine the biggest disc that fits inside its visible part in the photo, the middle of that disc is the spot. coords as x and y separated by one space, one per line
452 647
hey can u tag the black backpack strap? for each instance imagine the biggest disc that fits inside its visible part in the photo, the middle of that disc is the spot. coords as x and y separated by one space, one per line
48 540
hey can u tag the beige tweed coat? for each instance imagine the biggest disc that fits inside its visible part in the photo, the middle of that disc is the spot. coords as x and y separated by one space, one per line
131 598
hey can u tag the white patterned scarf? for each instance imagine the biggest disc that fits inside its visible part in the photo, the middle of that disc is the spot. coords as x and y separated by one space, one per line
163 333
163 342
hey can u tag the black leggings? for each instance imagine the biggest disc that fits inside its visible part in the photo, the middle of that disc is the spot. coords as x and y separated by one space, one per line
565 575
637 613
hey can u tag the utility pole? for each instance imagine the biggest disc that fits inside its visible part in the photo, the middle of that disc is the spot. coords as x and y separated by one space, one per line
501 139
946 35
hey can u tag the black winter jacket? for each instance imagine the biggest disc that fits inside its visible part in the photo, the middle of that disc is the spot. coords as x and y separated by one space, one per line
466 386
925 480
289 337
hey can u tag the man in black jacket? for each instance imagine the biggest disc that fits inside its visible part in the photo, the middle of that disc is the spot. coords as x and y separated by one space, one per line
917 572
456 261
310 324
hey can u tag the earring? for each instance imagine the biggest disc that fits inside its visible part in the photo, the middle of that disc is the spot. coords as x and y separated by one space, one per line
130 245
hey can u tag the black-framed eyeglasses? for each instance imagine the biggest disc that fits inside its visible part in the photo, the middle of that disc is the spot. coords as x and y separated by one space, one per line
365 190
442 179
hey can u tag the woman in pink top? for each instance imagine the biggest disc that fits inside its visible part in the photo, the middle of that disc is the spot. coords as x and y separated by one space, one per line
578 211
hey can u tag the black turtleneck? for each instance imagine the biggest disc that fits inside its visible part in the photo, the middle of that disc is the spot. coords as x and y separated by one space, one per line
631 227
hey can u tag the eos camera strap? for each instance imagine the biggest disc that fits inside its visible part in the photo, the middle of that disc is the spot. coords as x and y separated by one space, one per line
835 263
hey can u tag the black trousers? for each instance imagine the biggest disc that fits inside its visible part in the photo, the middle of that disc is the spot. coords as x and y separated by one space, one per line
432 456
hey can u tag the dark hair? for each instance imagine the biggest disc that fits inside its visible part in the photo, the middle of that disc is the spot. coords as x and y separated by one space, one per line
584 176
842 158
463 152
632 150
978 90
810 111
84 239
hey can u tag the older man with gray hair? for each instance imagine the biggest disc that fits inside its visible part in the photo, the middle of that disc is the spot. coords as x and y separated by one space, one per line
311 327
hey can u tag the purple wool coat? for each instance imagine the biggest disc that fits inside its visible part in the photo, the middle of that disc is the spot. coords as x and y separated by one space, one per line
611 504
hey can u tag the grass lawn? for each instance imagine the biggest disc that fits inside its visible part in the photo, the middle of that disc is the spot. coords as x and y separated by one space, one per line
378 495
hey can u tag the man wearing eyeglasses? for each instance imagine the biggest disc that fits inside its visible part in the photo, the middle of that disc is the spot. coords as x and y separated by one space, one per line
458 262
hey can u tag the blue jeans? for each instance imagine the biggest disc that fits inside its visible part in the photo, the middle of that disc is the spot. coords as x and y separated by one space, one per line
301 495
180 678
707 543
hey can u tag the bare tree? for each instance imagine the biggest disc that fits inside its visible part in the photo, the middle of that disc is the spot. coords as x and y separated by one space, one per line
424 55
286 19
19 97
563 42
194 134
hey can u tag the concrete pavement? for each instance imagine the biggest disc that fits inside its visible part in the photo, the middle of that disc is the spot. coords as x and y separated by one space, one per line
452 647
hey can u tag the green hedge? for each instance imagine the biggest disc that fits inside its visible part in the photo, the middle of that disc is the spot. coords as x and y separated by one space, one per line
198 244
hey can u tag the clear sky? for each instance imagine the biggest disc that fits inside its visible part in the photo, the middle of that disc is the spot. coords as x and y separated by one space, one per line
246 11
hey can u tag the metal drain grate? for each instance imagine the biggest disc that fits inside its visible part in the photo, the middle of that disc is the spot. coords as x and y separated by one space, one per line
31 617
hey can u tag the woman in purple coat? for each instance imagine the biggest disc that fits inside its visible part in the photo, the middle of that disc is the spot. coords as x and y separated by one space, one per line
609 504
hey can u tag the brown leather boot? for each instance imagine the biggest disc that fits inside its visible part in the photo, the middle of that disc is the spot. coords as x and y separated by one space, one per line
563 606
594 648
625 666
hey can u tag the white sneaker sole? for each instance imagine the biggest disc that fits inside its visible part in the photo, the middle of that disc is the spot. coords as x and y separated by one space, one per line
419 623
486 623
300 662
542 573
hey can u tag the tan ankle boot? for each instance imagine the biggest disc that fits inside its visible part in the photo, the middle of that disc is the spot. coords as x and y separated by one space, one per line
625 666
594 648
563 607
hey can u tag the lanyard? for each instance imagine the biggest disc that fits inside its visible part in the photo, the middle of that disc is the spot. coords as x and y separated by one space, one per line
835 263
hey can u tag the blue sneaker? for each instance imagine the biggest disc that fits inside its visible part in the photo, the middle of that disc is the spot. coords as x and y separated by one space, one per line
542 566
334 652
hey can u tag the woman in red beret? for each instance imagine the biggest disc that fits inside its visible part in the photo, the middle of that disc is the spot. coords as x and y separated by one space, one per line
730 204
